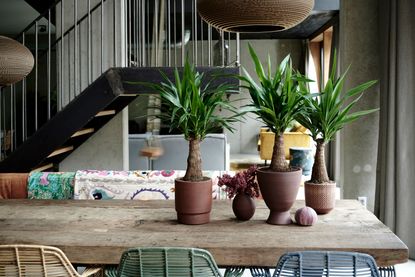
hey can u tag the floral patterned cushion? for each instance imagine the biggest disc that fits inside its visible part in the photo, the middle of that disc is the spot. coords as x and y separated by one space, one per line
51 185
133 185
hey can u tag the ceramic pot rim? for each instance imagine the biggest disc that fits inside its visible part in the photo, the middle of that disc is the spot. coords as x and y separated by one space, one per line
328 184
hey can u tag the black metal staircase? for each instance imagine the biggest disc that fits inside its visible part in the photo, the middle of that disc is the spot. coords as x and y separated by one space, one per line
87 113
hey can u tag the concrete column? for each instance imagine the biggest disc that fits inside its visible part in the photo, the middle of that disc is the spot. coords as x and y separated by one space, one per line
359 140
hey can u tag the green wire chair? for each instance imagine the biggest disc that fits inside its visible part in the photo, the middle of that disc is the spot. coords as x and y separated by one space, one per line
165 262
326 264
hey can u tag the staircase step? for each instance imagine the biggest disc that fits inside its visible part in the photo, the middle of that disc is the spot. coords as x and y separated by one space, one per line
43 167
61 151
83 132
105 113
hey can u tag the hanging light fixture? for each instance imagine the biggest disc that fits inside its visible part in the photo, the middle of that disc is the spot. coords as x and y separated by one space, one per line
254 16
16 61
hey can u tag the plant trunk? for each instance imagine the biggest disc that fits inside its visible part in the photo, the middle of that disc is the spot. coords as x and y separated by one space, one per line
319 174
278 162
194 162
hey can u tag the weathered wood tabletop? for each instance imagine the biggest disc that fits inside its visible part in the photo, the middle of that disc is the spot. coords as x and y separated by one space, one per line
97 232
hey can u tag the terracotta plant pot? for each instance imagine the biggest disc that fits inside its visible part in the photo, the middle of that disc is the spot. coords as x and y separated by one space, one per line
279 190
193 201
243 206
320 197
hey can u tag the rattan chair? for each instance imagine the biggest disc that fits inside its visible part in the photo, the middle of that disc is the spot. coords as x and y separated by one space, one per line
326 264
165 261
37 260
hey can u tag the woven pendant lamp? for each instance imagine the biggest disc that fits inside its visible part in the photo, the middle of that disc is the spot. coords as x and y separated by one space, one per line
254 16
16 61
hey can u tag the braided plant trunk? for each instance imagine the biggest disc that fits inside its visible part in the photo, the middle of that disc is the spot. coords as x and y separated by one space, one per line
194 162
278 162
319 174
320 192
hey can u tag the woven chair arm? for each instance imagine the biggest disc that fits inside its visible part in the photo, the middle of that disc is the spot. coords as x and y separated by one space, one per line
95 271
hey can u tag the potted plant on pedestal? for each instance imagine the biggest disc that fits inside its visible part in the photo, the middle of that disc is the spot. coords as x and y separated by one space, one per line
325 114
276 100
192 108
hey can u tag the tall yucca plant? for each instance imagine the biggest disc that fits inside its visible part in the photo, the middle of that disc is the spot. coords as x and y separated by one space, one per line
327 113
276 100
192 108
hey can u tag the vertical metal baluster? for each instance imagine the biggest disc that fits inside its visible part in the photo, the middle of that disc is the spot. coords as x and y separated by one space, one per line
102 36
81 74
222 38
169 33
60 94
193 33
156 32
183 46
115 31
36 71
138 32
238 49
195 16
3 108
129 43
48 64
75 54
175 33
202 41
24 109
229 49
148 46
164 48
209 45
11 119
14 116
89 45
143 31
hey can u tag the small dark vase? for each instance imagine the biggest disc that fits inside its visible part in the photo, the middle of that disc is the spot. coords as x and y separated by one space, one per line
243 206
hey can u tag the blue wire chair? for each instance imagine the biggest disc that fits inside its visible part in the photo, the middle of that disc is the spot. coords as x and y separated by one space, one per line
326 264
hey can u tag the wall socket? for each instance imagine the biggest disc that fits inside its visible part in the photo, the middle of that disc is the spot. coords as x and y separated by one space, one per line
363 200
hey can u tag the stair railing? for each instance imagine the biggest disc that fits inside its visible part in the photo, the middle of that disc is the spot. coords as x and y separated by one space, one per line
75 41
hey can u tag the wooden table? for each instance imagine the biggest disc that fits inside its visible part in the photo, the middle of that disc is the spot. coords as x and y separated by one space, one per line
97 232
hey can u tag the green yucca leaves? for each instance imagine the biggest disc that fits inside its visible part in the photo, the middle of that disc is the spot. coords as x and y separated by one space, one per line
193 108
329 111
276 99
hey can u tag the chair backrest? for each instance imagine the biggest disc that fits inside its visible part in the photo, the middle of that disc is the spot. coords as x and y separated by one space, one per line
326 264
166 261
34 260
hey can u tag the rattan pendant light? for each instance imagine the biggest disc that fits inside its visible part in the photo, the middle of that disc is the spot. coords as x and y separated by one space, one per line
254 16
16 61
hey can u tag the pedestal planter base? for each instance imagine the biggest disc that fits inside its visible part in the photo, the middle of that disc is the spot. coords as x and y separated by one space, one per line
279 218
279 190
320 197
193 201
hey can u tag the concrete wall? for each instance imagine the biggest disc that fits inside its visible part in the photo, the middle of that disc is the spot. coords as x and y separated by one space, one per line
358 141
245 138
104 150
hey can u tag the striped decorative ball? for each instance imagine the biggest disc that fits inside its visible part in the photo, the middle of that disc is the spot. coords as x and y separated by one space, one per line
306 216
254 16
16 61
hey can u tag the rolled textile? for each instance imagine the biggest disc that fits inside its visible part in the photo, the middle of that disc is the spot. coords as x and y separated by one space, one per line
13 185
51 185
